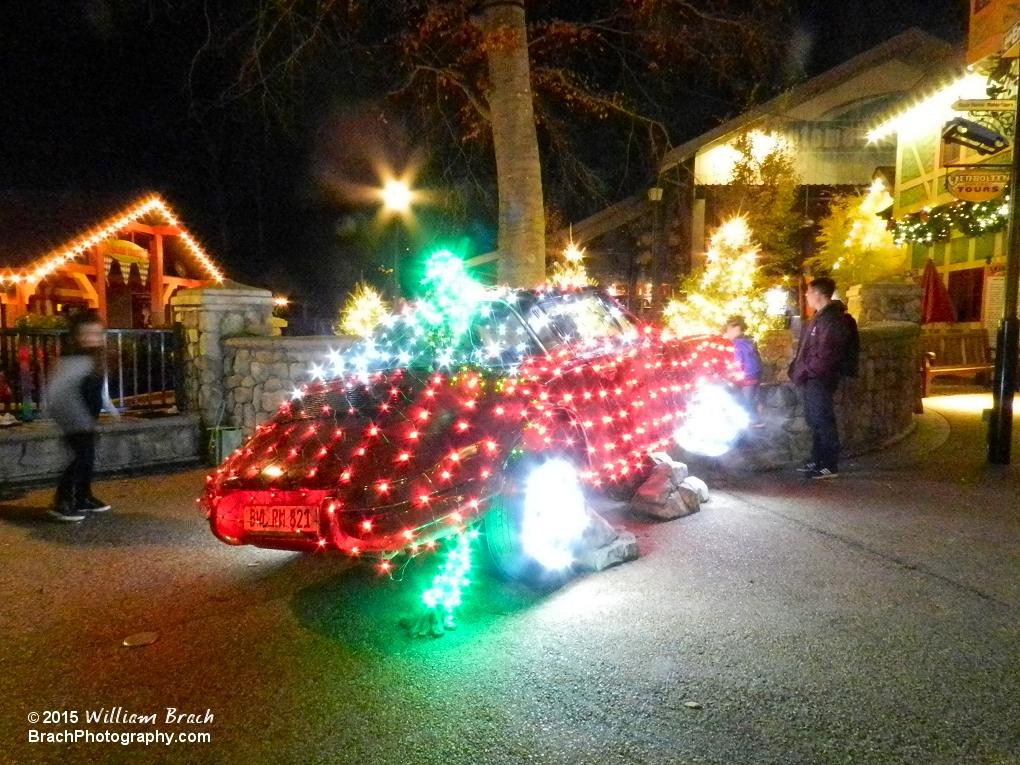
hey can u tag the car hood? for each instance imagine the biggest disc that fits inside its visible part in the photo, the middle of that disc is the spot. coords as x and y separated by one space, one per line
395 438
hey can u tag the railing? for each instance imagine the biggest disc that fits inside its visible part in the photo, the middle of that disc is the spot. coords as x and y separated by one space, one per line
140 367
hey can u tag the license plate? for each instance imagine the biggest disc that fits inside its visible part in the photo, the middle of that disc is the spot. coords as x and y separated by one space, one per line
288 519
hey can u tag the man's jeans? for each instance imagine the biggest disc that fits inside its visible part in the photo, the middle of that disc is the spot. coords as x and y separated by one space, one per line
821 417
76 483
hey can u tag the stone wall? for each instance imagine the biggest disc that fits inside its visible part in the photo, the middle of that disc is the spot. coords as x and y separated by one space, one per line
35 452
208 315
878 302
260 371
874 409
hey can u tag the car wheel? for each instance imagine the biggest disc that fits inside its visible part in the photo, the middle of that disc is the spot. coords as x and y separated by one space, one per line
534 524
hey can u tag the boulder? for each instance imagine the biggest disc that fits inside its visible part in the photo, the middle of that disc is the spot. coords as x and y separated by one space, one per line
620 550
698 486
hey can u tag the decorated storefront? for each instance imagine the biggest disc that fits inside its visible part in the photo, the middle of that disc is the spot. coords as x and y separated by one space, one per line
123 259
952 182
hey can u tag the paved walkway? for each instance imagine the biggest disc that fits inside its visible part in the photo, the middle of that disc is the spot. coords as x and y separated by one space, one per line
869 619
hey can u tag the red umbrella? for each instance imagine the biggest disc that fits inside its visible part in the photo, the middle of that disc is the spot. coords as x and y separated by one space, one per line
935 303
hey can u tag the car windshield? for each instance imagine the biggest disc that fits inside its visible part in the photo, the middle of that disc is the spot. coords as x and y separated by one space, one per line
494 337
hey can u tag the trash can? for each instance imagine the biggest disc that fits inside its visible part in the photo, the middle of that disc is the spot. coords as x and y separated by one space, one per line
222 442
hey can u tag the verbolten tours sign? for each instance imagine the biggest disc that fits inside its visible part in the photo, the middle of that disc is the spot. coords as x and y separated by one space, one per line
977 185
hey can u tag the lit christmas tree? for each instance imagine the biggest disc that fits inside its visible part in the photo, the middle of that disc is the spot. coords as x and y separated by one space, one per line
726 286
363 312
856 243
569 272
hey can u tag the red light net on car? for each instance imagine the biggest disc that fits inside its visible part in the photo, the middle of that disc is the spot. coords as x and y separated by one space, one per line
401 457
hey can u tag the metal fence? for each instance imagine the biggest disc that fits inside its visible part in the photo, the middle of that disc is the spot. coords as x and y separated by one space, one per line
140 367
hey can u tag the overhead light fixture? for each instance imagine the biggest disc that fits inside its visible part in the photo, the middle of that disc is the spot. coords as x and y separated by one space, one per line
981 139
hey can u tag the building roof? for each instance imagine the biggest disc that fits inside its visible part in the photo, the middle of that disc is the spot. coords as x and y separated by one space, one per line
830 95
41 229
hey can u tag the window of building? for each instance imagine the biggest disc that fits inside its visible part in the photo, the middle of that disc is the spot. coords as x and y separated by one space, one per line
965 290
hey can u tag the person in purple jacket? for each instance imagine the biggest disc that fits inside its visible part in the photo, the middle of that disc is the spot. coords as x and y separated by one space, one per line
749 359
824 343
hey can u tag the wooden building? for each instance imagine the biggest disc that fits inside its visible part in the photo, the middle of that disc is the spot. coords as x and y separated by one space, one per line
125 258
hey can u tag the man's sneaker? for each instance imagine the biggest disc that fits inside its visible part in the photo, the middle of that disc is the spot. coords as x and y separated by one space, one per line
94 505
821 475
808 467
67 513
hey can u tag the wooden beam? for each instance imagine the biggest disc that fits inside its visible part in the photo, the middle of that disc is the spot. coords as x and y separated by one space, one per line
167 230
98 262
157 305
88 289
77 268
140 228
480 259
177 281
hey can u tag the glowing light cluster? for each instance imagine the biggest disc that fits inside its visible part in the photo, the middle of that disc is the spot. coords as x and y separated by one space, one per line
570 272
446 588
554 514
714 422
725 287
54 260
363 312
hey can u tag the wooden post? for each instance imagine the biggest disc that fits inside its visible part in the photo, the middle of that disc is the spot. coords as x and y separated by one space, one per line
157 304
98 261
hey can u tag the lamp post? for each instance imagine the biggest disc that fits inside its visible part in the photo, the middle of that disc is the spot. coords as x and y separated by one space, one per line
397 198
1000 423
655 197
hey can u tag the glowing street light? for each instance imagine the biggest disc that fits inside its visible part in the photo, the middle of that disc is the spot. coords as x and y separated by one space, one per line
397 196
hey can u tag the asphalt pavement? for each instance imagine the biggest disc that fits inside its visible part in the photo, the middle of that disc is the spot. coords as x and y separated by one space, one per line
867 619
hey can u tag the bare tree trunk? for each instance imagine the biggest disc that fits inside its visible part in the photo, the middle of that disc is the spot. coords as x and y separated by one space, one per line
518 169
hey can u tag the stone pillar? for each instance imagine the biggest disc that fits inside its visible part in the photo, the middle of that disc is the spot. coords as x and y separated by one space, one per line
208 315
877 302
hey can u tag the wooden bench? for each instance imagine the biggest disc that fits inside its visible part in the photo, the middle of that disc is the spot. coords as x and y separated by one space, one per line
953 352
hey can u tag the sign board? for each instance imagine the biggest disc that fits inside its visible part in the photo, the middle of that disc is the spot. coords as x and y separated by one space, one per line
984 105
1011 42
976 184
994 301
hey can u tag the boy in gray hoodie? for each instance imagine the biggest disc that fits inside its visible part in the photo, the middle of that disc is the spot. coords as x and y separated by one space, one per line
75 396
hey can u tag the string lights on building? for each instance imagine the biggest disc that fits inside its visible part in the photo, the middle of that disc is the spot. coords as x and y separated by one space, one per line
51 262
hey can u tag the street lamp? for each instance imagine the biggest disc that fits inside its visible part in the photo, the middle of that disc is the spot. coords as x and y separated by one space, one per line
397 198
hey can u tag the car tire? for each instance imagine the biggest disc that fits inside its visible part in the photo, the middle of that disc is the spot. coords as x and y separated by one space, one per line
503 527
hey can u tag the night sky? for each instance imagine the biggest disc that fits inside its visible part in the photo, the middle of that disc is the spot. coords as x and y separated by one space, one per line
95 96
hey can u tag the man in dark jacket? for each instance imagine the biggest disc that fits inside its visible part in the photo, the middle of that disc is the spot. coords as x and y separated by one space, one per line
816 371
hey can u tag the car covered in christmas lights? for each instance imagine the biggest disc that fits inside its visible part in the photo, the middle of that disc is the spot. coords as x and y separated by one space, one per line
501 406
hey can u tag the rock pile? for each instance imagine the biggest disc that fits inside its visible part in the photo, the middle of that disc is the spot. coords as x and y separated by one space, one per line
669 492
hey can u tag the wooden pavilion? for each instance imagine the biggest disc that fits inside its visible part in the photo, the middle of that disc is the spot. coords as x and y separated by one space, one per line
125 258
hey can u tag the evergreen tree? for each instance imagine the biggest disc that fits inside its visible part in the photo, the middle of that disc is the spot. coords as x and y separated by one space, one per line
764 189
724 287
856 244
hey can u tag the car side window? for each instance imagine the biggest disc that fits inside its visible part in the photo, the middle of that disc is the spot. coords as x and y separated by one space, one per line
584 317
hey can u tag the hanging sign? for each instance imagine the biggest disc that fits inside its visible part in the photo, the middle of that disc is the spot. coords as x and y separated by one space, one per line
976 185
984 105
1011 42
126 252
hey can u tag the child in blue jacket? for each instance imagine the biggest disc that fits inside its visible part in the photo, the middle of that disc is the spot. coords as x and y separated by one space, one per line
746 351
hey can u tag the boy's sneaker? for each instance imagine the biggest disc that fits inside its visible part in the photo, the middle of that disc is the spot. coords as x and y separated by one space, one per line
67 513
94 505
808 467
821 475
